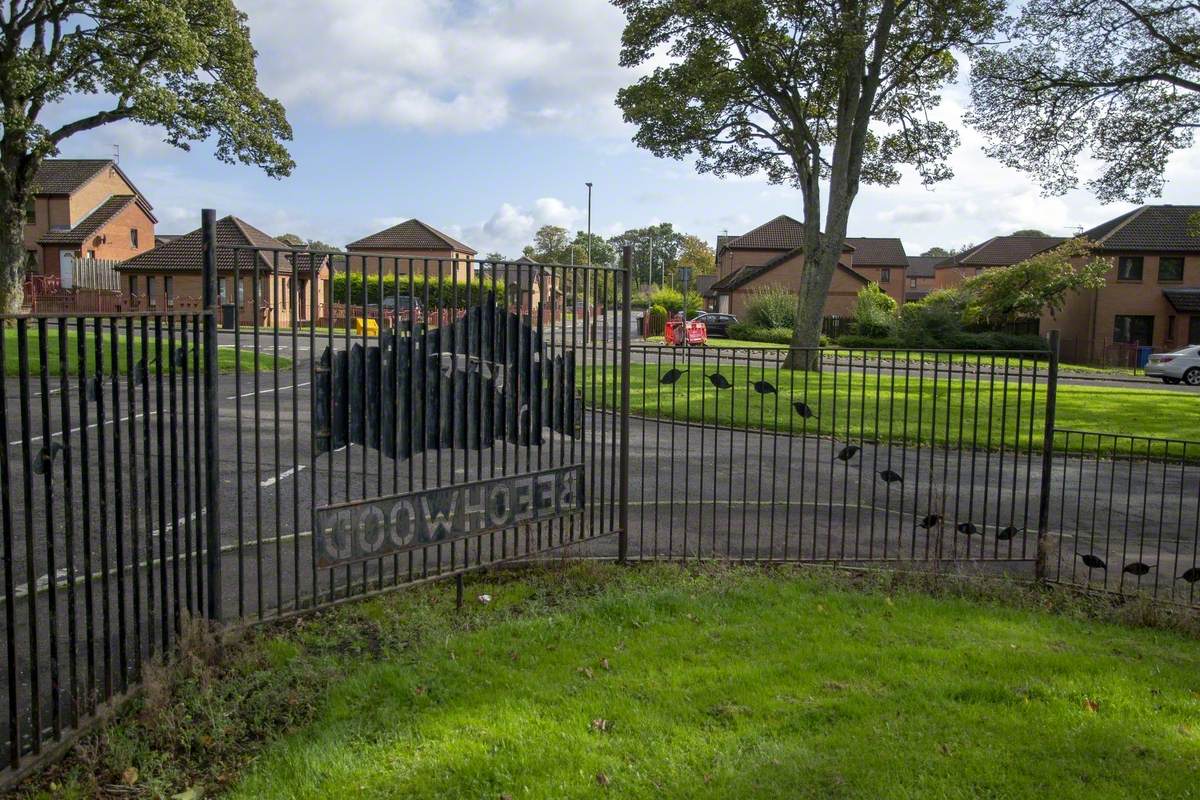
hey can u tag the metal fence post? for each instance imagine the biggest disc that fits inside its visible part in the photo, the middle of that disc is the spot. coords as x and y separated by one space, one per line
626 316
212 479
1047 458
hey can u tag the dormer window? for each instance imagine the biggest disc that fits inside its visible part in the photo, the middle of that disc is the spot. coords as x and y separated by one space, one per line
133 238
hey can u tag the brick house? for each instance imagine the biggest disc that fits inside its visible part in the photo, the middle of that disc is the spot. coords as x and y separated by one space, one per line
999 251
84 208
773 255
169 276
920 276
392 250
1151 294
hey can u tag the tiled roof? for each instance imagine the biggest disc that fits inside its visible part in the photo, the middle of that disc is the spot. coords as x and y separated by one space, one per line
704 284
1157 228
1002 251
739 278
1185 300
411 235
90 224
185 253
922 266
877 252
66 175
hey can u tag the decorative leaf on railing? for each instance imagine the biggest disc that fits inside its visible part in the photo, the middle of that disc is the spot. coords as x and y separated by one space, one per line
803 409
929 520
847 452
891 476
1093 562
720 381
968 528
1138 568
671 376
1007 533
1191 576
181 356
763 387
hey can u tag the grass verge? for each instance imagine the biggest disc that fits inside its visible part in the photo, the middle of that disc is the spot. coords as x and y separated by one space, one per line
904 406
661 681
228 359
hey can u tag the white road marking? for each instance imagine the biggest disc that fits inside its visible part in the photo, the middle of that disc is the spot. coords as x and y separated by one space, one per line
268 391
287 473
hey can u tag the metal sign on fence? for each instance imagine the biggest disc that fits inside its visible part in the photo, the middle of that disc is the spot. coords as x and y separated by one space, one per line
347 533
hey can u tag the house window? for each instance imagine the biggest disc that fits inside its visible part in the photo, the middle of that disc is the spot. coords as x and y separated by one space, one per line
1129 268
885 275
222 290
150 290
132 285
912 283
133 240
31 211
283 298
1170 327
1170 268
91 253
169 289
1132 329
32 265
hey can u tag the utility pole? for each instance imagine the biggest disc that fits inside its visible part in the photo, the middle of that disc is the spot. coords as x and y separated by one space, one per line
589 233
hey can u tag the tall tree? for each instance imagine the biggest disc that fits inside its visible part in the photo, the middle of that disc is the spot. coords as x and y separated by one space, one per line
697 255
1030 232
1119 79
551 245
655 252
601 251
802 92
1040 283
185 65
296 240
937 251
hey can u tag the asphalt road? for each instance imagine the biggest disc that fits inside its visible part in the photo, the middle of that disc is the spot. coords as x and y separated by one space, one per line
695 492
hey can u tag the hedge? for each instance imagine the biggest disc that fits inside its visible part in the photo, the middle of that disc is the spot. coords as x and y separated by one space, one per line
989 340
751 333
442 294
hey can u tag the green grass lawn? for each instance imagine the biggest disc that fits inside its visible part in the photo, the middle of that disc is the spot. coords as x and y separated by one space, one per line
227 357
667 682
903 407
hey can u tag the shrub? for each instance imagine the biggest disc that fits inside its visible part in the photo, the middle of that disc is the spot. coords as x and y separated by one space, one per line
430 292
753 333
656 321
771 307
672 300
934 321
875 313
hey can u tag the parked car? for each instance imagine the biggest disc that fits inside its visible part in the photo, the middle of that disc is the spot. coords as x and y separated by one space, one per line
1183 365
717 324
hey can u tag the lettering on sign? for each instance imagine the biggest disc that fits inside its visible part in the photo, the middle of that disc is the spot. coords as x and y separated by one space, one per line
366 529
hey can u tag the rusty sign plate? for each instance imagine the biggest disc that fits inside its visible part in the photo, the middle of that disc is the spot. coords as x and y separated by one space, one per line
366 529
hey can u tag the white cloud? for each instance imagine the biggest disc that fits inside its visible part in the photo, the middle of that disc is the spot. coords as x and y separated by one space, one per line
511 227
444 65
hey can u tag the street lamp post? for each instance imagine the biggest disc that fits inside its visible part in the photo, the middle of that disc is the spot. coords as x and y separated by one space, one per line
589 233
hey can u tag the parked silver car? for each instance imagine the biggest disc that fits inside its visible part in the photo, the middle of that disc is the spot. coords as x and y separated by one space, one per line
1183 365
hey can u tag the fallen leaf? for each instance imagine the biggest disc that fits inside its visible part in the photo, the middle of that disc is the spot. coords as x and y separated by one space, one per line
1091 705
945 748
191 793
506 797
604 663
600 724
587 672
419 690
485 598
514 655
707 777
888 601
129 776
602 779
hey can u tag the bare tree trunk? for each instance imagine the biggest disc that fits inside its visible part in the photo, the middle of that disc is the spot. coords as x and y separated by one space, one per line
12 258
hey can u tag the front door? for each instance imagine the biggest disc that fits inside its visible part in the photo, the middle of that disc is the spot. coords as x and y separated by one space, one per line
1194 329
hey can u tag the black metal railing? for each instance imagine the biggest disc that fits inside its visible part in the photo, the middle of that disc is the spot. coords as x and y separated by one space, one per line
1126 515
103 510
879 455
